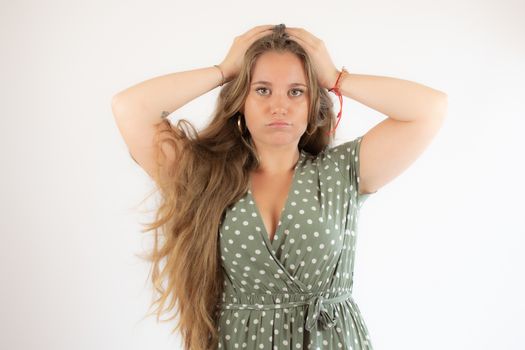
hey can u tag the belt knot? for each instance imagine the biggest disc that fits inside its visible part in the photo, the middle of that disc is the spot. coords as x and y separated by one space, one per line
318 314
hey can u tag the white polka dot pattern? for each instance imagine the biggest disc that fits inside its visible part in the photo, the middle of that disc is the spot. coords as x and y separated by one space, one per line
294 292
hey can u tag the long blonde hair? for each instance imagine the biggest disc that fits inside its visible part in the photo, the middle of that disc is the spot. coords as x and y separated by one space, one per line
211 174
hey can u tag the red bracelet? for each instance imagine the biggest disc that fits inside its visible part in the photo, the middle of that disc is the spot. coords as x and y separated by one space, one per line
336 90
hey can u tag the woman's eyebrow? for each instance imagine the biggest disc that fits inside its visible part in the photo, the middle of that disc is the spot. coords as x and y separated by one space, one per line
268 83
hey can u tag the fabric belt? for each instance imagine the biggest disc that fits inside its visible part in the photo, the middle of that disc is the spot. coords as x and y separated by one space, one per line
318 315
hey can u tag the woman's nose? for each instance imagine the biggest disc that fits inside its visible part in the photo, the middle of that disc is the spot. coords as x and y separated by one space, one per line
279 102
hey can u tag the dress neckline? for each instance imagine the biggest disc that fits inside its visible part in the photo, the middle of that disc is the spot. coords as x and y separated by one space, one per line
273 243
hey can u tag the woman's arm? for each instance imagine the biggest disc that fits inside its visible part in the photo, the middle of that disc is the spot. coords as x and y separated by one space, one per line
141 110
156 98
399 99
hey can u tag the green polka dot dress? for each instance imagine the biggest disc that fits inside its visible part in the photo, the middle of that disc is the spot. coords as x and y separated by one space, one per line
295 291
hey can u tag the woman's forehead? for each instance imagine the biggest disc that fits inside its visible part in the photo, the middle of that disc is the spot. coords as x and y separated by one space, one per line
279 68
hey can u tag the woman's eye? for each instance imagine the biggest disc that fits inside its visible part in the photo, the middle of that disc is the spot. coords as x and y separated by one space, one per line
293 90
301 91
261 88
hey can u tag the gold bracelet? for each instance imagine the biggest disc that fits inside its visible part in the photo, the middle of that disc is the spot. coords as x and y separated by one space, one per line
222 74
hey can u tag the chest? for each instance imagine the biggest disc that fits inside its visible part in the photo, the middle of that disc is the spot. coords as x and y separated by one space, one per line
270 195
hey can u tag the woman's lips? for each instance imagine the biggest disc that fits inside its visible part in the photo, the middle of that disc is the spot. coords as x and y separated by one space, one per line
279 124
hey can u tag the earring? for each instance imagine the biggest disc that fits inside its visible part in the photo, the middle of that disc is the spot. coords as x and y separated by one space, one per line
239 123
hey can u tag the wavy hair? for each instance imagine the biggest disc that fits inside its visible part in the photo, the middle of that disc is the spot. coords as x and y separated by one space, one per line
211 174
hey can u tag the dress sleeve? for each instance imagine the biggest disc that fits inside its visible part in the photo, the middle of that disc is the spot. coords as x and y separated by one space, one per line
346 155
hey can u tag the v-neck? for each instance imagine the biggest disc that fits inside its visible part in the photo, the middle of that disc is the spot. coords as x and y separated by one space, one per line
266 236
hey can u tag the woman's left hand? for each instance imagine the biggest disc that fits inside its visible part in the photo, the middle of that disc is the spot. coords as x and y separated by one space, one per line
326 71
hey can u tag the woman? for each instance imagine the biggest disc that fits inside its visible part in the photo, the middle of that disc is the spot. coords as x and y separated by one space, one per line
257 226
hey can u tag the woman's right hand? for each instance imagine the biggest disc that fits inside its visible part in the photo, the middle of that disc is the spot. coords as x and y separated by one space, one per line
231 65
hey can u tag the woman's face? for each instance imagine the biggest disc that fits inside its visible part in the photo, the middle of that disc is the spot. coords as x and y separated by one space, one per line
278 92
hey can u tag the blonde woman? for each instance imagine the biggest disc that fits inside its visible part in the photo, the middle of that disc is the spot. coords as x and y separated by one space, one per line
255 235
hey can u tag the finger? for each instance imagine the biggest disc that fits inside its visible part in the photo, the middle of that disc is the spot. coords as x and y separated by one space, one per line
296 31
301 42
303 35
258 29
257 35
254 31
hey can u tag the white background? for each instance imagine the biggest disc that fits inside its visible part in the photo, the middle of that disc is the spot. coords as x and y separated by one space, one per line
440 261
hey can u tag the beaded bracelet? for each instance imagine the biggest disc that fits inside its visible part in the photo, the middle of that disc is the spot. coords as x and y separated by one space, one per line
336 90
